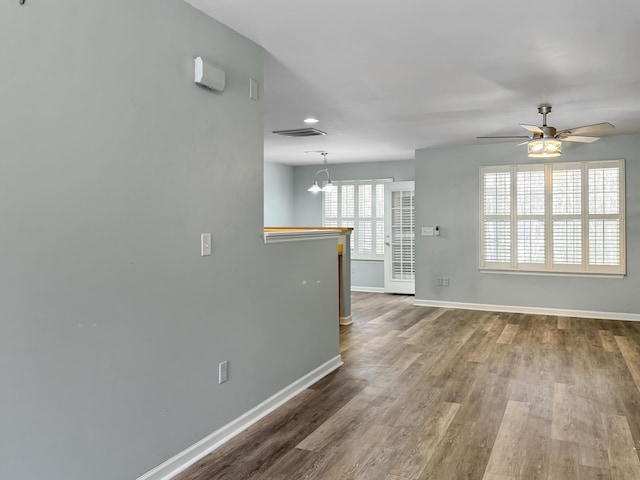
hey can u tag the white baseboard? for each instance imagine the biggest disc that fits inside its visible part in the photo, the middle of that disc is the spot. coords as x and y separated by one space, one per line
346 320
634 317
368 289
195 452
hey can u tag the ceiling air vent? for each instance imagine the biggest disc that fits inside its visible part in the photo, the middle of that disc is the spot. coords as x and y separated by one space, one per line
300 132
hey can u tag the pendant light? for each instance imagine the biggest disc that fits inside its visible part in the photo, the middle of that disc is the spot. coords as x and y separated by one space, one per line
328 187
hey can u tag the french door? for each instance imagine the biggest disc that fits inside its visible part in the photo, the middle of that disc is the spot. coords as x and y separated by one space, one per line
400 238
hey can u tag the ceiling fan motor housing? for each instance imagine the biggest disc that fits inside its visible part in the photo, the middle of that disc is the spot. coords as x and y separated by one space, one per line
548 132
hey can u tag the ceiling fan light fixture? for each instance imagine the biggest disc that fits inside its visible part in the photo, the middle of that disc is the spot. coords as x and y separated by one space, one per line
544 148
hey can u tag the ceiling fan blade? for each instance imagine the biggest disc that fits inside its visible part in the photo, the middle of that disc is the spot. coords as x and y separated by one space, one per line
532 128
508 136
577 138
586 129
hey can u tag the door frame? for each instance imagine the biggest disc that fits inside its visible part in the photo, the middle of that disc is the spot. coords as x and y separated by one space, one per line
395 285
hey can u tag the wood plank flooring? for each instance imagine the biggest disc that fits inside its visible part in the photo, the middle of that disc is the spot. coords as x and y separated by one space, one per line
434 393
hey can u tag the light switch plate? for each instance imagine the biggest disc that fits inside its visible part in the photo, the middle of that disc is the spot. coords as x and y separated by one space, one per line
205 244
223 371
427 231
253 89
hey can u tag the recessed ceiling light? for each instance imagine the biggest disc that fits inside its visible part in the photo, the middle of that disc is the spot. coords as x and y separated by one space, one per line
311 120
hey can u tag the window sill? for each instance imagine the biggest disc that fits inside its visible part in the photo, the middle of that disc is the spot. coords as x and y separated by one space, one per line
554 274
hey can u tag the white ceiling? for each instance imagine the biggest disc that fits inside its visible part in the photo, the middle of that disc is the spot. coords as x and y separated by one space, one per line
385 78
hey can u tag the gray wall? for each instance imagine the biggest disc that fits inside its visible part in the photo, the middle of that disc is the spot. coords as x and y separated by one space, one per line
278 195
308 206
447 194
112 162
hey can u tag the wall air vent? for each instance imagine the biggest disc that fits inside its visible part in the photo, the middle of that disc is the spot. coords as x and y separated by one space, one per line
300 132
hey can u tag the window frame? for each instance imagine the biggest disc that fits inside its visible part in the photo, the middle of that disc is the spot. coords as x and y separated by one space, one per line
585 216
375 219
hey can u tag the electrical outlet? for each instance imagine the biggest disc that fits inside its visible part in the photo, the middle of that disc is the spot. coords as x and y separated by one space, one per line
439 280
445 281
223 371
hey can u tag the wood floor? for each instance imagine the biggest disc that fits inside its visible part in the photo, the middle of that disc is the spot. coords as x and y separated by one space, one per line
432 393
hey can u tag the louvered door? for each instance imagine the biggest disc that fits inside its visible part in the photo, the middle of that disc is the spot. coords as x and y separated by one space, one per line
399 257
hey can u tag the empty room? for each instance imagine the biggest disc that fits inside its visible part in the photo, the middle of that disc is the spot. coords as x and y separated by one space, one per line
250 240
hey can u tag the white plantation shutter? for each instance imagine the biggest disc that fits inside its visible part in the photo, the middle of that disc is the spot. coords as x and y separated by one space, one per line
330 208
380 200
403 235
530 196
364 201
358 204
496 218
605 240
531 242
347 201
380 236
346 197
365 238
379 223
564 217
365 221
497 241
567 214
567 242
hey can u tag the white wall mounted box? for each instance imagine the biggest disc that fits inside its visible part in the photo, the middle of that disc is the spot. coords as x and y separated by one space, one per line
208 76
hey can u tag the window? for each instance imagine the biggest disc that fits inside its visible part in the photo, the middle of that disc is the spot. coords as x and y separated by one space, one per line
561 217
358 204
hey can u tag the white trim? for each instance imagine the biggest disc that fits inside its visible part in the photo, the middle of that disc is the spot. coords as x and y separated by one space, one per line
299 236
367 289
344 321
198 450
403 240
553 274
561 312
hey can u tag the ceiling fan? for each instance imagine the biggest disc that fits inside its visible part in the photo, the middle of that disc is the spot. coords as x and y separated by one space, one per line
546 141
